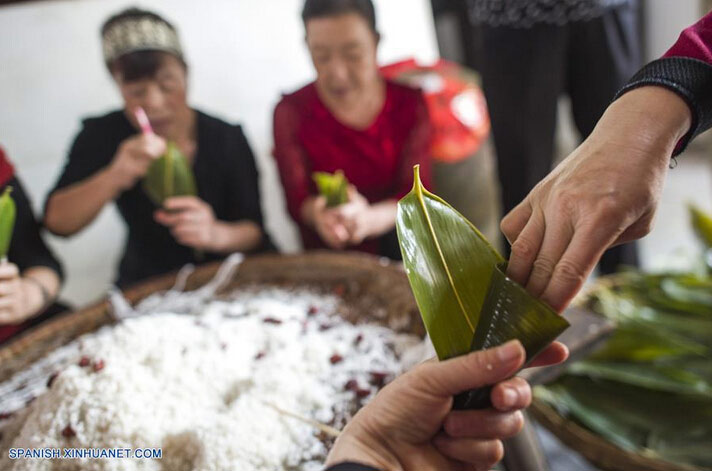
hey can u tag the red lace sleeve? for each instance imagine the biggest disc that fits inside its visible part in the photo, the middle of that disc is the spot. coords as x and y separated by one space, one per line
695 41
292 161
7 171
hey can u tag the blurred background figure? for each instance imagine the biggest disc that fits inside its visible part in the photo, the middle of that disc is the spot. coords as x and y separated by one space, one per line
30 276
350 119
533 51
110 157
238 68
463 168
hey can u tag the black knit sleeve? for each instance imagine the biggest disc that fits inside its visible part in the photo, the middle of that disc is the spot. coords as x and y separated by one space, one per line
242 194
689 78
27 249
351 467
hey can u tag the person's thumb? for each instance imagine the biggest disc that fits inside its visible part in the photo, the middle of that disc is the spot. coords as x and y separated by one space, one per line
155 145
474 370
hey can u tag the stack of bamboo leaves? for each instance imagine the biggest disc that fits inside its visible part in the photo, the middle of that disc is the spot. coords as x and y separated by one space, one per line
649 389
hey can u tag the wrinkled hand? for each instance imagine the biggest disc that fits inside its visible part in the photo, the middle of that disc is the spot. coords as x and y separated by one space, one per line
356 216
409 425
330 225
191 221
605 193
134 157
13 295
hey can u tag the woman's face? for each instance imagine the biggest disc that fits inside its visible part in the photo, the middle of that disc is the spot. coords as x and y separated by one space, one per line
343 50
162 96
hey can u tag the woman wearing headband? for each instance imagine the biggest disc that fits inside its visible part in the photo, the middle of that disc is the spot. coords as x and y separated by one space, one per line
351 119
110 156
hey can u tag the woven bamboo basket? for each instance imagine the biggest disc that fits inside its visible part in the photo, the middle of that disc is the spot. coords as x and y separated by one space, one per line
598 451
373 290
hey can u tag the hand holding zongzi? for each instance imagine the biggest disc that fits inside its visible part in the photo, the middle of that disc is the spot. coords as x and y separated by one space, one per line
364 220
326 222
134 157
409 425
191 221
22 297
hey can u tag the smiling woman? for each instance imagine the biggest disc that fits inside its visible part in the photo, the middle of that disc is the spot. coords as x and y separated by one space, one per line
350 119
110 157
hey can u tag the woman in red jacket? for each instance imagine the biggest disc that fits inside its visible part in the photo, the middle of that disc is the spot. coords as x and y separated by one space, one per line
351 119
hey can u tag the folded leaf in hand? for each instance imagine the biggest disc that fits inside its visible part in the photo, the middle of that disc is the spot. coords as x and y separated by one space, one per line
7 221
168 176
333 187
466 301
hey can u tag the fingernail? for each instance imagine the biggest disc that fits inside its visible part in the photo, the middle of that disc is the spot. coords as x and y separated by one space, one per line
509 351
510 397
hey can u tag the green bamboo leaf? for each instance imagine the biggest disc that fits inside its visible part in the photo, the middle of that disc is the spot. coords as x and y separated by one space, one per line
466 301
686 328
670 426
670 377
333 187
649 388
702 224
169 175
7 220
638 342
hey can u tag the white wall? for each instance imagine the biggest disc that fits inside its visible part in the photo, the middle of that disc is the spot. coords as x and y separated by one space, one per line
664 19
242 54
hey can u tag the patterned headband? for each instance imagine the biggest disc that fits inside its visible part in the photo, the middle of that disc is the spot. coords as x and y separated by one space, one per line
140 34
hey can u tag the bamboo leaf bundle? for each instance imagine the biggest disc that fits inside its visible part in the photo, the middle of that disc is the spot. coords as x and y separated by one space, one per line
169 175
332 186
466 301
649 389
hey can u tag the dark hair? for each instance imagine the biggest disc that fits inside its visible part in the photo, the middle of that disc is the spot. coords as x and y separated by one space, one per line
324 8
139 64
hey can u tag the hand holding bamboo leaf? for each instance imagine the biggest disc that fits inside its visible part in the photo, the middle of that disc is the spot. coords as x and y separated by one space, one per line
364 220
133 159
466 301
605 193
22 297
191 221
327 223
409 425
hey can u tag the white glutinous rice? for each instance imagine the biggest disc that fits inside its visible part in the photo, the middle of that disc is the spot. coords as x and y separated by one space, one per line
204 388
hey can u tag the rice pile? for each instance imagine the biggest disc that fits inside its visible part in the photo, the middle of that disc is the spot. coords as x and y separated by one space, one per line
204 388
